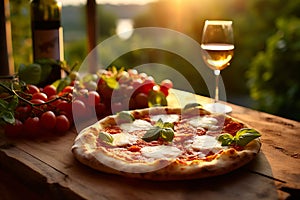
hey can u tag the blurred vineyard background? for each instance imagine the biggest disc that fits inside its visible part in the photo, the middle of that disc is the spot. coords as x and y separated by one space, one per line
265 72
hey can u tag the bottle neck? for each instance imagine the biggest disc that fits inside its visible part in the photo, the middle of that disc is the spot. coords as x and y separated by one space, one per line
45 10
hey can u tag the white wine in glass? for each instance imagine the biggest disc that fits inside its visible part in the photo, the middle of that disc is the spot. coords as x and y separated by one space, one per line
217 51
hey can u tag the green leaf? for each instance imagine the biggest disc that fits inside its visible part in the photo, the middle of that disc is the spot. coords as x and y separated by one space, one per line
152 134
192 105
8 116
168 125
13 103
246 135
111 82
159 123
62 83
46 71
157 98
226 139
31 74
3 104
125 117
167 134
106 137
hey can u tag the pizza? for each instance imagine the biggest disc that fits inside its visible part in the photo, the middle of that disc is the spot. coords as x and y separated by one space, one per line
164 143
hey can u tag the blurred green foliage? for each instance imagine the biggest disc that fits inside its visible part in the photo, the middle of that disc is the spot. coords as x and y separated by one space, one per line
274 73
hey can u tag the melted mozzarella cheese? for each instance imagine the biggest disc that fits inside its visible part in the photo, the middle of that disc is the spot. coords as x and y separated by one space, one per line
166 118
122 139
204 122
157 152
136 125
206 144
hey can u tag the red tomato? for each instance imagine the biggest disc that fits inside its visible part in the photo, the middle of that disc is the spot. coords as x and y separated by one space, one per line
37 110
56 102
22 112
37 101
48 120
32 126
167 83
117 107
14 130
79 108
141 100
31 89
65 107
100 109
93 98
164 90
68 89
62 123
49 90
40 95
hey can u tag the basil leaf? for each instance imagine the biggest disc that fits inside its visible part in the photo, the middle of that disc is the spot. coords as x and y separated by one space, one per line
246 135
168 125
167 134
125 117
156 99
106 137
8 116
191 105
152 134
159 123
13 103
226 139
3 104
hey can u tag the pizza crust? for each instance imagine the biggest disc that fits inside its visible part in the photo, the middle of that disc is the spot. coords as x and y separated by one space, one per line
85 150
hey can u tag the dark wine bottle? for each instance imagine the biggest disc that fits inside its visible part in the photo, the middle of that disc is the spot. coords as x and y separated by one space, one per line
47 38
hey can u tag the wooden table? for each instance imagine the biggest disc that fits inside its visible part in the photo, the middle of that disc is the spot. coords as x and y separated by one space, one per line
46 168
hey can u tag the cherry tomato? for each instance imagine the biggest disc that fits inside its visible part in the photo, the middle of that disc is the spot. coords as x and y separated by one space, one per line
56 102
49 90
164 90
141 100
31 89
48 120
64 106
93 98
40 95
166 83
14 130
100 109
37 101
79 108
38 110
68 89
22 112
117 107
62 123
32 126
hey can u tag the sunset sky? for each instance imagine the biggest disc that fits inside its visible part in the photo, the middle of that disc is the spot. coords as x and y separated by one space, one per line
77 2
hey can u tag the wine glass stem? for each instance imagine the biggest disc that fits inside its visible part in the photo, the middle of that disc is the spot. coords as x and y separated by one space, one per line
217 74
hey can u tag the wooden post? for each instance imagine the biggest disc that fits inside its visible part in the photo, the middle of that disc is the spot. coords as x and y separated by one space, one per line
6 56
91 13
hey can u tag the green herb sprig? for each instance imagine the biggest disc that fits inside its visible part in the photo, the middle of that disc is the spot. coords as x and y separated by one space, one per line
164 130
242 137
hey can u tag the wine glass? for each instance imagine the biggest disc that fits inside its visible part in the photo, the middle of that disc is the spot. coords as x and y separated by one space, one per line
217 51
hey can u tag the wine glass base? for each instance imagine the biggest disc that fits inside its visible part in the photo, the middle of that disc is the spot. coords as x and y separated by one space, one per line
217 108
